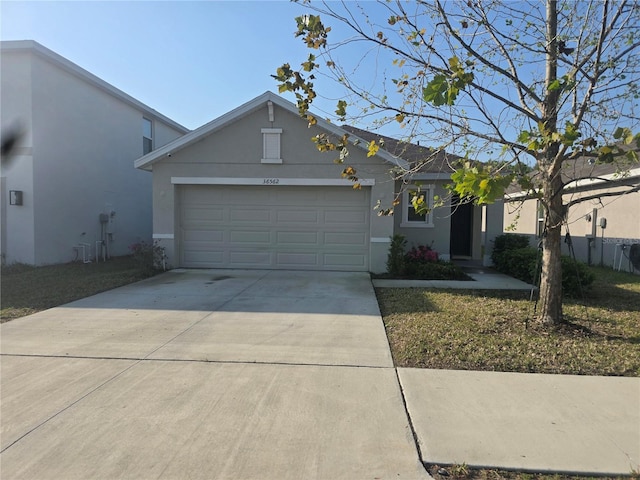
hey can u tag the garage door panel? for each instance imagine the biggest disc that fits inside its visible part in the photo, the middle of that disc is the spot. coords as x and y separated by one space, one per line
294 217
296 260
297 238
213 236
343 239
250 259
342 260
346 216
257 238
256 215
203 214
311 228
209 259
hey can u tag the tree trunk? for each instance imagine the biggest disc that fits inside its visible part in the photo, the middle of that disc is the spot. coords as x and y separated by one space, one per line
551 277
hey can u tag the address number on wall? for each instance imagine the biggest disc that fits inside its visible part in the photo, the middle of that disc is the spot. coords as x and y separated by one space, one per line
271 181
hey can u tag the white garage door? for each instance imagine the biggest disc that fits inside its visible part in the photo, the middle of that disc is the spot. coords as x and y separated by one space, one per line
274 227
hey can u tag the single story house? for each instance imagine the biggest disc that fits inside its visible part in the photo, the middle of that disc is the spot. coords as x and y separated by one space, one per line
68 189
251 190
601 221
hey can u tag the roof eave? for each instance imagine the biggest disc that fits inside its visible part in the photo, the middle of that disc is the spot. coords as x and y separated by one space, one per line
146 162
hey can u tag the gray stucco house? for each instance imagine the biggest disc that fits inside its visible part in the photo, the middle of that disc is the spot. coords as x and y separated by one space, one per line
251 190
601 217
69 190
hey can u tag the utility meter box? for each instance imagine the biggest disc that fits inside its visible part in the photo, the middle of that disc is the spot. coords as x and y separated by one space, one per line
111 224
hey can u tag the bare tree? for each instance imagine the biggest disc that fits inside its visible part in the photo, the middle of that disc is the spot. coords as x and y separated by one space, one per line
534 83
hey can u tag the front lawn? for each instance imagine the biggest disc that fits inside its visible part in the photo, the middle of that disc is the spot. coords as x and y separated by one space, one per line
27 289
495 330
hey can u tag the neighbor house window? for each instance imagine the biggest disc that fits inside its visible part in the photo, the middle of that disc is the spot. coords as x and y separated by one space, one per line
271 145
411 218
147 136
540 219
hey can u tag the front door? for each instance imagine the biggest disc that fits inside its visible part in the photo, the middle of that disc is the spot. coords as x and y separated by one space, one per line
461 228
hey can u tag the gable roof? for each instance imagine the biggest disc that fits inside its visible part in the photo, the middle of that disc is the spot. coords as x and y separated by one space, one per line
440 163
33 47
146 162
583 173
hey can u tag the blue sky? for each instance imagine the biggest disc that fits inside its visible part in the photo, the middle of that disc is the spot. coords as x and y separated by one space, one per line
190 60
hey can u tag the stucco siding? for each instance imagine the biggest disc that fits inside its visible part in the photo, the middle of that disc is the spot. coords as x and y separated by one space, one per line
235 152
16 112
591 244
436 236
83 138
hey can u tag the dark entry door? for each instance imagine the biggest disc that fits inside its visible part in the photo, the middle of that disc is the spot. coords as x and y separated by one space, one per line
461 228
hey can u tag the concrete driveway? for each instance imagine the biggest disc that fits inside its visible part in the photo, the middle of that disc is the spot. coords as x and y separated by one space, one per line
207 374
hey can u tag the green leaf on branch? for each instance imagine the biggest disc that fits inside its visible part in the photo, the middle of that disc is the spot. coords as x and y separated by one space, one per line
341 111
314 32
435 91
443 89
479 183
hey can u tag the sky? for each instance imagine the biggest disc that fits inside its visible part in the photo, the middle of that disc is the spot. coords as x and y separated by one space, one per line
192 61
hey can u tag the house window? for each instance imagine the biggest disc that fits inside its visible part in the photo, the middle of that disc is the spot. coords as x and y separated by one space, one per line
147 136
411 218
271 145
540 219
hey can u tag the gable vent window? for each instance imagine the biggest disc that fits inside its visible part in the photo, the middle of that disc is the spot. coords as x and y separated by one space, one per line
271 145
147 136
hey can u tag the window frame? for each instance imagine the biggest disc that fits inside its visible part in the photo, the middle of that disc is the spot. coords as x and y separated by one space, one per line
540 219
147 121
428 191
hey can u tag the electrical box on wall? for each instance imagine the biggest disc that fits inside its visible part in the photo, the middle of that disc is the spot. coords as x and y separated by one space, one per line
15 197
111 223
591 218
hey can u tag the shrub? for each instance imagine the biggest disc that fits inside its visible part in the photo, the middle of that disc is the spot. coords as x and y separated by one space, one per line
505 243
513 256
509 241
519 263
439 270
148 257
395 260
421 263
576 277
421 254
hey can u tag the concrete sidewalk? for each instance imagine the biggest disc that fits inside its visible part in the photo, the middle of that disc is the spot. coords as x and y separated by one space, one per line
482 280
581 425
207 374
578 425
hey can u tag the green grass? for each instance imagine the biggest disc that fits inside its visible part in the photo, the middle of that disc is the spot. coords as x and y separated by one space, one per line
496 331
26 289
468 473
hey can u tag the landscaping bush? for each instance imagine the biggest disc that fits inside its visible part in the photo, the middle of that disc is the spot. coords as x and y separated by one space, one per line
576 277
438 270
395 260
420 263
519 263
513 256
509 241
148 257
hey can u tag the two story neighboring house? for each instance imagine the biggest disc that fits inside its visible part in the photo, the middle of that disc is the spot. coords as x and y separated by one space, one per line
69 190
601 221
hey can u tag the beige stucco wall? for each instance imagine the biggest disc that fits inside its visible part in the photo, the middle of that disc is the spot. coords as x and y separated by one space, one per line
622 227
235 151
